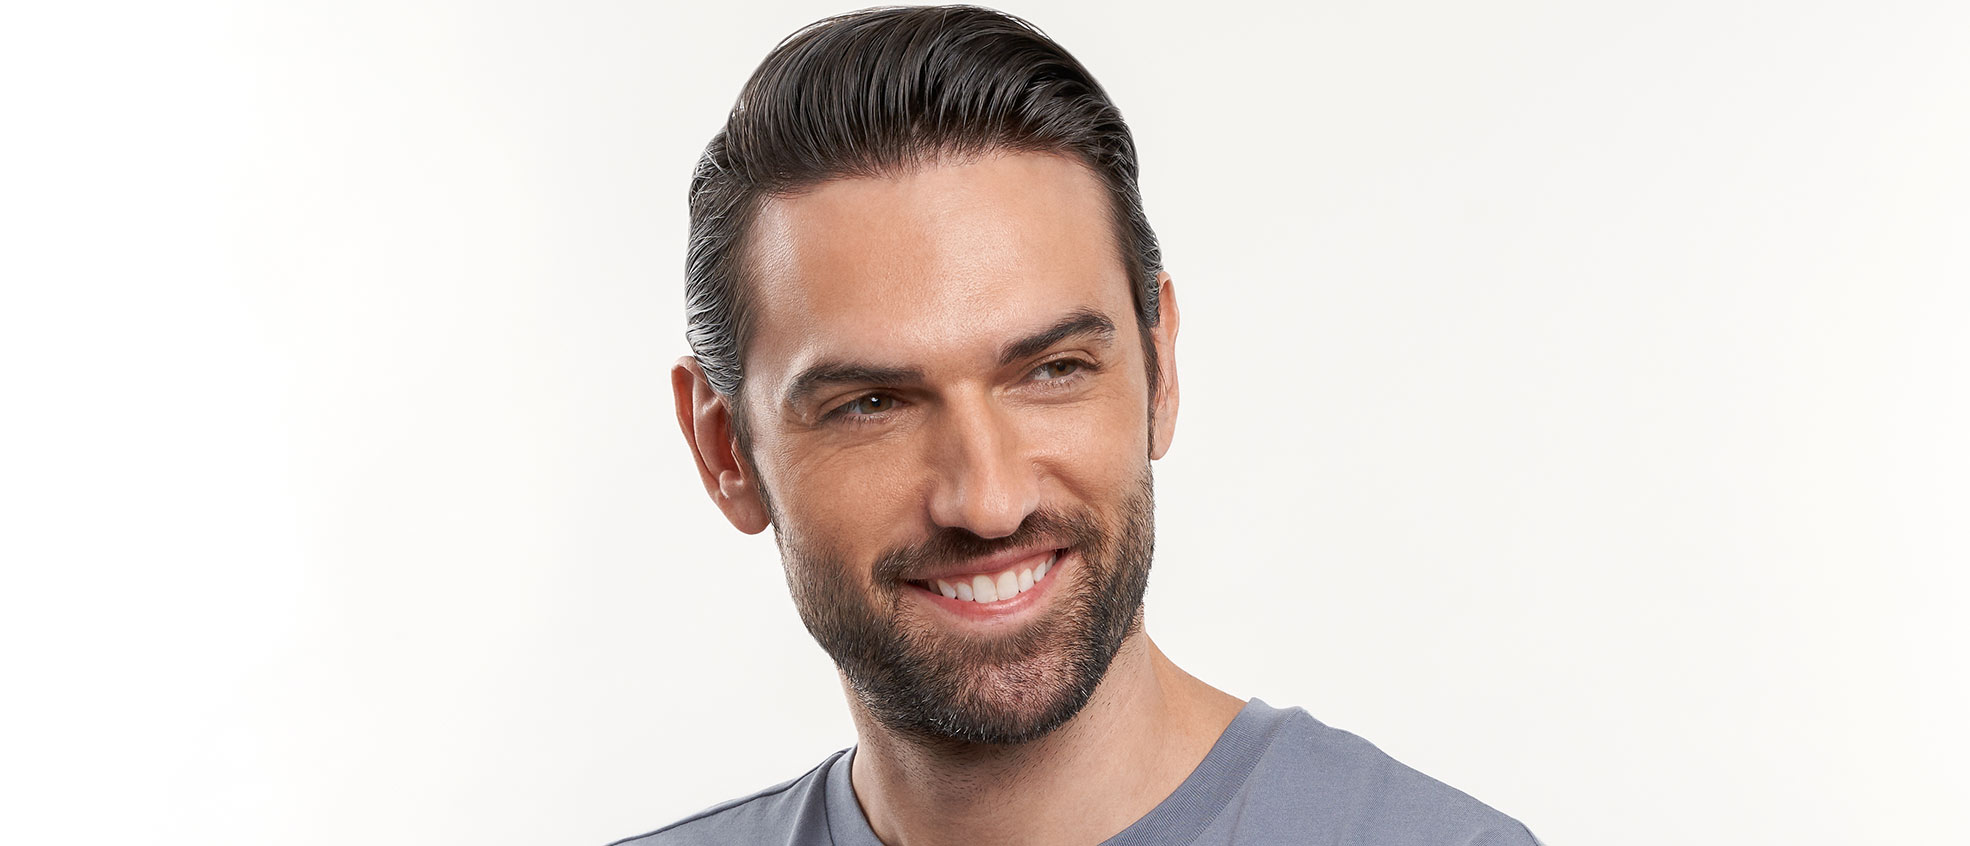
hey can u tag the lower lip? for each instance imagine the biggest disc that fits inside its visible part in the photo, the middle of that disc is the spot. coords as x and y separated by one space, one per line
1004 609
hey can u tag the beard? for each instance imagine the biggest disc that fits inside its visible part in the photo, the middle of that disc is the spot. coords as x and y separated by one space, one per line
923 680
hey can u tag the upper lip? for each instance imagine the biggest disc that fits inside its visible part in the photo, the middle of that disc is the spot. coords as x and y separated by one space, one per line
994 563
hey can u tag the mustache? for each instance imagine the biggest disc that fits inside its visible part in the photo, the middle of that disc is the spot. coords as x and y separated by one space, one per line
1051 527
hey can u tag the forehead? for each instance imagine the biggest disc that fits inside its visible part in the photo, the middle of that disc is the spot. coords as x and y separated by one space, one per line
945 260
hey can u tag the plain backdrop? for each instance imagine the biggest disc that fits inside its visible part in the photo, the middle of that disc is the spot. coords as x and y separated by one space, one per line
1575 405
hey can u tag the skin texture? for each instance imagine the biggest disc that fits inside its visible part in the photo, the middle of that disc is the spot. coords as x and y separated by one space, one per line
932 274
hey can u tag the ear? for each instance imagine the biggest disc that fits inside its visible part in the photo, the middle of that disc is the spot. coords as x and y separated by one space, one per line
706 418
1163 411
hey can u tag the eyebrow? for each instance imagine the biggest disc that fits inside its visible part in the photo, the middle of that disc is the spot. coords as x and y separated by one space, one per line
1085 321
1082 322
813 379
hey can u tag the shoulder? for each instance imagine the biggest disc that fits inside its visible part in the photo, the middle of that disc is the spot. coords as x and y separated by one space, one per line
1316 769
788 812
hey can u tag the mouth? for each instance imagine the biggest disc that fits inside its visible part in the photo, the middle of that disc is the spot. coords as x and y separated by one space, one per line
997 586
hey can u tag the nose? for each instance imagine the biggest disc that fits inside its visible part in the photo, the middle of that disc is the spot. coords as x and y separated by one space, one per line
984 483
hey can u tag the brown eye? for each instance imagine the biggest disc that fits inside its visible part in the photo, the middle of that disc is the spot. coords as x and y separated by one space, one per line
1056 369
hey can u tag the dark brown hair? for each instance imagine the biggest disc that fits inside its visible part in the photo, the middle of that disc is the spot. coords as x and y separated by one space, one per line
880 91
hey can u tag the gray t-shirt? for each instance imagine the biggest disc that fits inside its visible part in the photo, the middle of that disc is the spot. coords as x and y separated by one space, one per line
1275 776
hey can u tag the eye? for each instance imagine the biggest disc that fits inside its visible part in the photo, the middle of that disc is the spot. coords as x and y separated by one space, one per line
1056 369
865 405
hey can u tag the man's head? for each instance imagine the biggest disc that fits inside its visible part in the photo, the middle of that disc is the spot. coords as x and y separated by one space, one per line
933 349
885 91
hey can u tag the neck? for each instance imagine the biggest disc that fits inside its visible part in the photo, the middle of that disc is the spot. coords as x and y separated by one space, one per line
1146 727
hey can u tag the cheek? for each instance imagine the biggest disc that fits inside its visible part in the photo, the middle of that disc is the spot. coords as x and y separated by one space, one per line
1093 448
858 499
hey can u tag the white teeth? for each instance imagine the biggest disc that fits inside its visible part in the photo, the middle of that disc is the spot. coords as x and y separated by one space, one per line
994 588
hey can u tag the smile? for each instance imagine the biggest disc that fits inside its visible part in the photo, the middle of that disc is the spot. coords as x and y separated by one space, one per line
992 587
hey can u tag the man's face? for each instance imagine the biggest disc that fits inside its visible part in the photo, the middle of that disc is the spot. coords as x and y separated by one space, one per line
951 424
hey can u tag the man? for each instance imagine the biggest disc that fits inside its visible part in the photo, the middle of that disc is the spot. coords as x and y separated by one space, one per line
935 351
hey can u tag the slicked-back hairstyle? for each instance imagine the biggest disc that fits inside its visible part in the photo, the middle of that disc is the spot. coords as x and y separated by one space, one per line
880 92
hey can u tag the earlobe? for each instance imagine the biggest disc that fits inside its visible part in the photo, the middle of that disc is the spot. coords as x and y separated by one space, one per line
1163 413
706 418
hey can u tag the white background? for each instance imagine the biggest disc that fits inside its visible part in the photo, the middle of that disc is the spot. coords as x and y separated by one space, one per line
1575 406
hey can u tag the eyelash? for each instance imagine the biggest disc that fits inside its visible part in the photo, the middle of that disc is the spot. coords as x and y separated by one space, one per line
841 414
1082 367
